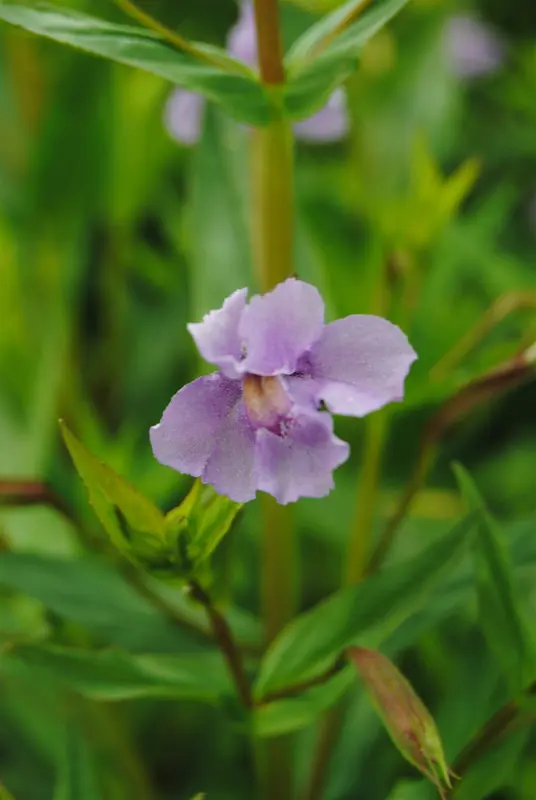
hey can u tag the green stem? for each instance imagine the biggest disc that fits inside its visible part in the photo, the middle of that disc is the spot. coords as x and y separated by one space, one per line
273 232
273 229
109 728
360 535
273 202
328 733
415 483
278 585
504 721
226 643
295 689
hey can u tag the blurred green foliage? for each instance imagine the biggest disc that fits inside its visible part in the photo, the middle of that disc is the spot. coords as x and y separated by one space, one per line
112 238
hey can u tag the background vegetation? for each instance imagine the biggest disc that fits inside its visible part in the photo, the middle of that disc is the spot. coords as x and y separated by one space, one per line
112 237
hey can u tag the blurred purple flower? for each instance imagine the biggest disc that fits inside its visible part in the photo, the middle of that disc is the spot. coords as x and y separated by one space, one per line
185 109
256 424
472 47
184 115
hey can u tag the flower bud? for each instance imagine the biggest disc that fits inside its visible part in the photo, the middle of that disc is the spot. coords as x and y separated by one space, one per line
407 720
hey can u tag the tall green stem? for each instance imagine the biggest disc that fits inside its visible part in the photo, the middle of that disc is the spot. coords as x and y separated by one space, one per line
278 579
272 225
273 202
367 492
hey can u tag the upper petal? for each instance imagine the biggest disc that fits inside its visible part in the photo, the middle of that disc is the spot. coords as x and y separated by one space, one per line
329 124
360 362
184 115
231 466
300 464
279 326
189 429
217 337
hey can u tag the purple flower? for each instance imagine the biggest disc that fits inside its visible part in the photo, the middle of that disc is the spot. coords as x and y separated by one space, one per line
257 423
472 47
184 110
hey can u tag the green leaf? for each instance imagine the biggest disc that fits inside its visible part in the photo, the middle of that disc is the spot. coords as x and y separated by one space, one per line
496 769
77 770
322 59
92 594
114 675
365 614
206 518
412 790
135 526
238 92
290 714
500 610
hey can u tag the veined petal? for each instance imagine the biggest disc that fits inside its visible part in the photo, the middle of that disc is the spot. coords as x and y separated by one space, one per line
279 326
231 468
188 432
360 363
184 115
300 464
217 337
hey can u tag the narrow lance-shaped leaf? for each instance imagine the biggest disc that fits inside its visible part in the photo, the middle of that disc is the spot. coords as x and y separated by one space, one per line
77 771
135 526
501 613
114 675
365 614
289 714
407 720
327 53
237 91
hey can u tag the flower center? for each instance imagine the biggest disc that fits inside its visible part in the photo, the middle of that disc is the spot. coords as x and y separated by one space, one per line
266 401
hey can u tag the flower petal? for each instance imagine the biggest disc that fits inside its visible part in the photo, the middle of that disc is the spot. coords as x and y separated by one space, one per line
279 326
242 39
303 390
329 124
472 47
361 362
189 429
183 116
231 468
300 464
217 337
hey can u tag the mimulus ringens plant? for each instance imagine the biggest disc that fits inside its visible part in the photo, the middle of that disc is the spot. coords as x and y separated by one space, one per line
184 111
259 423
